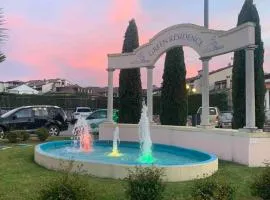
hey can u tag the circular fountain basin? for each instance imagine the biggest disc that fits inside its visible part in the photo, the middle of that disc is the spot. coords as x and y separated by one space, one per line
179 164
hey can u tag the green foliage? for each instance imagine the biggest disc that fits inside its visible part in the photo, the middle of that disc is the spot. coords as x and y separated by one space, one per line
12 136
130 87
212 189
68 187
261 185
145 184
42 134
173 109
219 100
25 135
17 135
248 14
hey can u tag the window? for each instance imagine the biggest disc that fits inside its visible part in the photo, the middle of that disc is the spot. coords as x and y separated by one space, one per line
24 113
219 85
99 115
83 110
212 111
40 112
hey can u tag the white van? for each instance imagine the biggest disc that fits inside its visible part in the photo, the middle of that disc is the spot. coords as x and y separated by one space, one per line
214 115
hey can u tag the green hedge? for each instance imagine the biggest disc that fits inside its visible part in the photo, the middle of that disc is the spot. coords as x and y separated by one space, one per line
65 101
219 100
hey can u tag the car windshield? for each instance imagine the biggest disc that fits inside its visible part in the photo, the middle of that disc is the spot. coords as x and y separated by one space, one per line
212 111
83 110
227 115
7 114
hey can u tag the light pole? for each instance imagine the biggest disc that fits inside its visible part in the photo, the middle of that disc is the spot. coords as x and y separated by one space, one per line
189 91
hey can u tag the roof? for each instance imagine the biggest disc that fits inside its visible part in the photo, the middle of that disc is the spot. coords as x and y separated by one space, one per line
24 88
221 69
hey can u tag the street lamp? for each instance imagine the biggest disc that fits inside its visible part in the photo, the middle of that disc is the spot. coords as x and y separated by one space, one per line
190 90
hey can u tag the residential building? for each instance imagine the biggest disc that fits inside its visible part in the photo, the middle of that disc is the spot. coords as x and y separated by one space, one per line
23 89
49 85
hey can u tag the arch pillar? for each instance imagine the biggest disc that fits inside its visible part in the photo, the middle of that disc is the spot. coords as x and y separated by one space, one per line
250 90
110 95
150 92
205 93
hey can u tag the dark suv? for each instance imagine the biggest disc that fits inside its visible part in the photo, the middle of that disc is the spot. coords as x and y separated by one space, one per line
30 118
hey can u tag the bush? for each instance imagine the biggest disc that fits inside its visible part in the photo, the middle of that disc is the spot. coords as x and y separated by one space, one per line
145 184
261 185
42 134
210 188
68 187
24 136
12 137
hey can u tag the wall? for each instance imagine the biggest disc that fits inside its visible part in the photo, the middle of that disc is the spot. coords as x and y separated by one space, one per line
214 77
252 149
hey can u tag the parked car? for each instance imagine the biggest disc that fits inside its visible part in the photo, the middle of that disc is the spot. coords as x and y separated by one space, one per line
80 112
99 116
225 119
30 118
214 116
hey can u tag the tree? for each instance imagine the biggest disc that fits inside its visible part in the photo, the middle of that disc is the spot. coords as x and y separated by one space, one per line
2 56
130 87
248 13
173 91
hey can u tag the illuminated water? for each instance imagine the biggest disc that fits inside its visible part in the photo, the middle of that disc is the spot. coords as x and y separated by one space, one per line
146 155
163 154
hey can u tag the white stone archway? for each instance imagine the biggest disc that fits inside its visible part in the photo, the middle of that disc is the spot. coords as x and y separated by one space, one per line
207 43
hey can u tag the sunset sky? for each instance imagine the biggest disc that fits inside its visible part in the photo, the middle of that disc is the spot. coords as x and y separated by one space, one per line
71 38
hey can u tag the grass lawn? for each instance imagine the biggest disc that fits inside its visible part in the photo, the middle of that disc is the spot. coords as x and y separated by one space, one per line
21 178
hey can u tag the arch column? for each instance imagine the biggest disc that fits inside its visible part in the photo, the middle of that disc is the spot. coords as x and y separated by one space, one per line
150 92
110 95
205 93
250 90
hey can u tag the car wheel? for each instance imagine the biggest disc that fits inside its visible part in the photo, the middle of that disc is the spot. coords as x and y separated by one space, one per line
2 133
53 130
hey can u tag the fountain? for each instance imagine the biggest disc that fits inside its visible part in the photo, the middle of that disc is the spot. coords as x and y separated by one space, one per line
81 135
178 163
146 156
116 139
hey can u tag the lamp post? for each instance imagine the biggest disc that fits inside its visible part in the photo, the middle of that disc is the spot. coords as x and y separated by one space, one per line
190 90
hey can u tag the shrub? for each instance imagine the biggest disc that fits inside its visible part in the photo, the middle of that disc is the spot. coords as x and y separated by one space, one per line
42 134
12 137
261 185
210 188
145 184
24 135
68 187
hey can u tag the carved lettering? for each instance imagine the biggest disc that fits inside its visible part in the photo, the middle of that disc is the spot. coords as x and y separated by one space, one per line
177 36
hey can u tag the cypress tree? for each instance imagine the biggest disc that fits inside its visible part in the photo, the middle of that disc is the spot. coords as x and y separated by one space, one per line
2 56
173 91
248 13
130 87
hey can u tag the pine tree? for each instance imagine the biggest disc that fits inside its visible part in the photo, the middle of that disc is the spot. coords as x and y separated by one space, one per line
248 13
130 87
173 91
2 56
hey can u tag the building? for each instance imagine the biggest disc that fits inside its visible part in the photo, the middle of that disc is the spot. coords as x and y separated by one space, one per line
5 86
220 79
49 85
23 89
